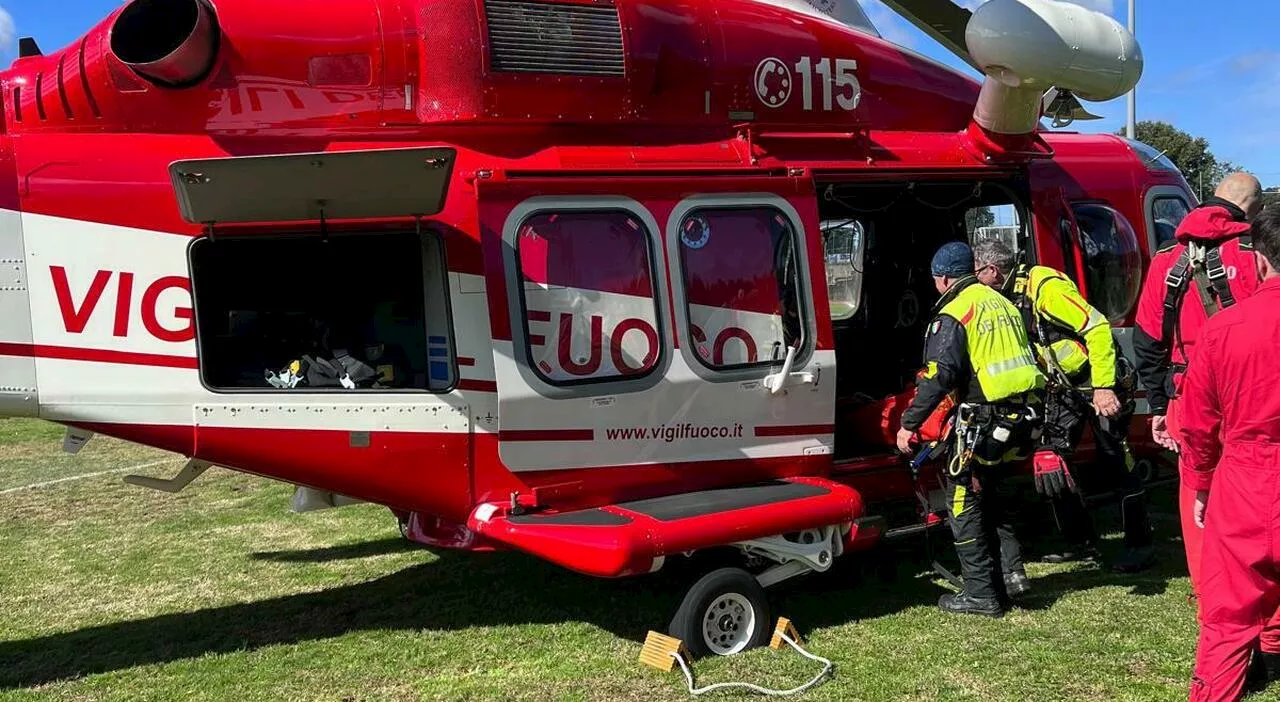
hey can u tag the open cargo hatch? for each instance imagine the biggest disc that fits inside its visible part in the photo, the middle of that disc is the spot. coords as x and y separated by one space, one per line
338 185
634 537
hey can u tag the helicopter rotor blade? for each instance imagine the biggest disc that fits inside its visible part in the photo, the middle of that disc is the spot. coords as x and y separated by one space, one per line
943 20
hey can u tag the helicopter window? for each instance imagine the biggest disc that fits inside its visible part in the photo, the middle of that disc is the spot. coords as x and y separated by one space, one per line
741 285
843 244
368 306
997 222
1066 240
1113 265
588 295
1167 213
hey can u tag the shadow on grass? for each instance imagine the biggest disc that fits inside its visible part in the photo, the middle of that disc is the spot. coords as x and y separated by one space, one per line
458 591
891 580
363 549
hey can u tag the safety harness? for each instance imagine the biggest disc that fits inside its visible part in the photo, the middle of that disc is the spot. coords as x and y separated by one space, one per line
1017 287
1060 383
1199 263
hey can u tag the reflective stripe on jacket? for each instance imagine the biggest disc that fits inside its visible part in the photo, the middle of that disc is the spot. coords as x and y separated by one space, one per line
976 347
998 348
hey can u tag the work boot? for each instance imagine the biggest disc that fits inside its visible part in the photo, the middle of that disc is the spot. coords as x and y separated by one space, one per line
962 603
1135 560
1017 584
1072 554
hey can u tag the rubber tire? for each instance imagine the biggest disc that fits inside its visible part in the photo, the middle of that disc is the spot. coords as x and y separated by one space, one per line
402 523
686 625
1147 469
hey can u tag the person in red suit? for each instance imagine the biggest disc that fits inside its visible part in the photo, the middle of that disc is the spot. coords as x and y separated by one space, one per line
1229 435
1212 239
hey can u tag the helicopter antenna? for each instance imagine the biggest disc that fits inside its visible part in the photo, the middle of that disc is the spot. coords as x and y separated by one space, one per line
1155 158
28 47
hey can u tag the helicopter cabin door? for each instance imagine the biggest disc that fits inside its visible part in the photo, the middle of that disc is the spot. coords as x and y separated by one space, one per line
674 331
1100 252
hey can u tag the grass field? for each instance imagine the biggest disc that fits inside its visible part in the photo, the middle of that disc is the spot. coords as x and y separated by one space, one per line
219 593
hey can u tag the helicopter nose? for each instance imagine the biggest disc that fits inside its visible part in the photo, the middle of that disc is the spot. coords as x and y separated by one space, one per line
18 396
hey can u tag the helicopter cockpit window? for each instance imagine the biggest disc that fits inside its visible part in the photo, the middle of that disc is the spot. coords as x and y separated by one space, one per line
741 282
1113 265
588 293
1167 213
997 222
843 244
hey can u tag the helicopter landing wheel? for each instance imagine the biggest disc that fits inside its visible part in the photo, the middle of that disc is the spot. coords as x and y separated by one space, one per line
402 521
1147 469
724 613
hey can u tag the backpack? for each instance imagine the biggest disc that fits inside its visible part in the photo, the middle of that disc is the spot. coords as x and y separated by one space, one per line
342 371
1199 263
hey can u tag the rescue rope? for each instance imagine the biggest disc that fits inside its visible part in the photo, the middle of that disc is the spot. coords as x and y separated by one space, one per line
827 667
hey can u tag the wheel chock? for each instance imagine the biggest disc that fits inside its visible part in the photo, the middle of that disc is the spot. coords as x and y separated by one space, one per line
665 653
784 627
659 651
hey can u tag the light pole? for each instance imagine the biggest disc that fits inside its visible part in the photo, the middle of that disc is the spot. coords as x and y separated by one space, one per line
1201 169
1131 127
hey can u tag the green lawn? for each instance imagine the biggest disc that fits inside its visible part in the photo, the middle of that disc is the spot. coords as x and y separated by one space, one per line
219 593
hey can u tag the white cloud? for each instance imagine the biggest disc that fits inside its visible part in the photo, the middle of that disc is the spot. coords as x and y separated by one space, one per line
1248 63
8 34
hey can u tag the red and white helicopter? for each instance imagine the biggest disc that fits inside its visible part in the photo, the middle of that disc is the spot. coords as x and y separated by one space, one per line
636 279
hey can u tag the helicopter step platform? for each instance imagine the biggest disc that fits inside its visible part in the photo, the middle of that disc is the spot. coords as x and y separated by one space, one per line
631 538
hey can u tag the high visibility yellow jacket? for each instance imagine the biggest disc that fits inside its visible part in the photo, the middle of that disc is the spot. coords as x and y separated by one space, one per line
977 347
1064 327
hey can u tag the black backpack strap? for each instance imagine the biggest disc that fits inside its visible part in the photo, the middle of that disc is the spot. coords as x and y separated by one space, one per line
1175 285
1217 274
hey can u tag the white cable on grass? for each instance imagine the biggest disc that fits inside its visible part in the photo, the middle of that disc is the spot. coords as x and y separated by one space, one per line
826 668
59 481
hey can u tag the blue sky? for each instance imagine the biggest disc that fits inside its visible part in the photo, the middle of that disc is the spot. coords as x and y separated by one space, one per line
1212 69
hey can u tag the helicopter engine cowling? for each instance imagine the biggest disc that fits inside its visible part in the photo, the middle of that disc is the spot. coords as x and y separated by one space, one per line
172 43
1026 47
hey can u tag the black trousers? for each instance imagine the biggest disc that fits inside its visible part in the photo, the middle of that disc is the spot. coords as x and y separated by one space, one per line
982 524
1065 421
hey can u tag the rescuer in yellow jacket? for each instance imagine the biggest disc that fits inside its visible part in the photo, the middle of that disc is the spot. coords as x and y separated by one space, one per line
1090 383
977 348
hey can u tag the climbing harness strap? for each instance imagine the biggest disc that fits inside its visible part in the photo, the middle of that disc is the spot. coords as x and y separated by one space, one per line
1202 265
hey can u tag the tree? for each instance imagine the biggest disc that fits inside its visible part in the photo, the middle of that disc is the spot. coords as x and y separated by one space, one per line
1190 154
978 218
1271 196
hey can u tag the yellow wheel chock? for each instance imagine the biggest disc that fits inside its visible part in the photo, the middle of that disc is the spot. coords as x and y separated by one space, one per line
665 652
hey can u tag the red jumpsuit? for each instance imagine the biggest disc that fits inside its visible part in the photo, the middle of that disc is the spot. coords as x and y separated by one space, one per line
1159 363
1230 435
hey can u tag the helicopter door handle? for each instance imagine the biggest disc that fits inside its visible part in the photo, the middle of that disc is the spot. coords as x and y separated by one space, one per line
775 383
